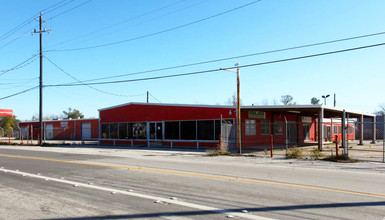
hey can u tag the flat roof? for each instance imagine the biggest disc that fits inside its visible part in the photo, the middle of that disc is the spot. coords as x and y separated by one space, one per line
167 104
311 110
55 120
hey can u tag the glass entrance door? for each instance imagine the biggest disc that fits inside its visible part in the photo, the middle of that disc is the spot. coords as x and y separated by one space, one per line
292 132
306 132
156 131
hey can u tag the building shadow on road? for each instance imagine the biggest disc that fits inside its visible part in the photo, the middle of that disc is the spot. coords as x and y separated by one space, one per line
223 211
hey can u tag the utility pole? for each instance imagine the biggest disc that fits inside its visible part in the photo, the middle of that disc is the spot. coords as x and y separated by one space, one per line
147 96
238 113
334 100
41 77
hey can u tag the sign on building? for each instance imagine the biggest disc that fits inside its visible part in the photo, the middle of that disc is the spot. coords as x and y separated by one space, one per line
257 114
306 119
6 112
64 124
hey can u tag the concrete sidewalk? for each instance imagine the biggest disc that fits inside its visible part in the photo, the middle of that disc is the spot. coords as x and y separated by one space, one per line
199 156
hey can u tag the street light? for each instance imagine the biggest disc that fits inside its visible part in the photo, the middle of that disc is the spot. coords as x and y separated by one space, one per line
325 96
238 112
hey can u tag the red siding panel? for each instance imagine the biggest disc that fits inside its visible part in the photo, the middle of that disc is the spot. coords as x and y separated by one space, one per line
144 113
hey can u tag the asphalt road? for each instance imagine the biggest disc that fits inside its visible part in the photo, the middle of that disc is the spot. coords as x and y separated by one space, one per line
78 183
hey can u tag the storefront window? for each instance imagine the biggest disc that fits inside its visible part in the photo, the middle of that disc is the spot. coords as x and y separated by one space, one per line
113 131
188 130
105 131
139 130
265 127
250 127
206 130
278 127
171 130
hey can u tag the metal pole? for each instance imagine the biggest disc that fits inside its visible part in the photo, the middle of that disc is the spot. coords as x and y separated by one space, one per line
147 96
286 140
347 135
343 132
334 100
41 81
239 114
41 77
220 136
383 144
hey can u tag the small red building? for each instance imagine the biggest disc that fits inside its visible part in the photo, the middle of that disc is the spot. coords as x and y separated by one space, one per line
163 124
333 127
198 126
66 129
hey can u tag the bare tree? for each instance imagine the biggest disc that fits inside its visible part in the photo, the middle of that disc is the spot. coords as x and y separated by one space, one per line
233 100
287 100
381 112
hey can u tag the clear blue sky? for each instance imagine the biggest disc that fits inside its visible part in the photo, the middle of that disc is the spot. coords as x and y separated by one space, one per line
356 77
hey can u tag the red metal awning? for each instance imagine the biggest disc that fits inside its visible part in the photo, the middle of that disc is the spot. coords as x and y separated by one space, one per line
6 112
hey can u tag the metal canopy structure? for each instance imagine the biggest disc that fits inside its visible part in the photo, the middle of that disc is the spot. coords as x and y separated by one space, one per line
320 112
309 110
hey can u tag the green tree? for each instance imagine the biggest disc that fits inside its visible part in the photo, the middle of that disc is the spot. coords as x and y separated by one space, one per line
314 101
72 113
8 124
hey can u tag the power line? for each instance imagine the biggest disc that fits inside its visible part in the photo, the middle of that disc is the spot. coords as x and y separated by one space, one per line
99 90
20 65
154 98
157 33
20 84
24 34
20 26
205 71
77 6
63 3
215 70
239 57
15 94
25 23
119 23
156 18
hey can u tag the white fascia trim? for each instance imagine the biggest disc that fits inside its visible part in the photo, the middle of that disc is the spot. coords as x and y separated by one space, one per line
81 119
168 104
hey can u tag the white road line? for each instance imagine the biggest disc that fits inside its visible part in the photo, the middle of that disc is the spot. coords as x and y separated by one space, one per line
173 217
130 193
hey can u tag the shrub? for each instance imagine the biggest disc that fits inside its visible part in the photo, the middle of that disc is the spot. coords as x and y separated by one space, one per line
316 154
341 159
294 153
212 152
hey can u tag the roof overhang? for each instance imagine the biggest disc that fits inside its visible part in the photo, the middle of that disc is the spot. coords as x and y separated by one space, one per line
168 104
308 110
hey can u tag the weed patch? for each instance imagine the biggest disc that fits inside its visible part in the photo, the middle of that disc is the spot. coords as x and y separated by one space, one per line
341 159
316 154
294 153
